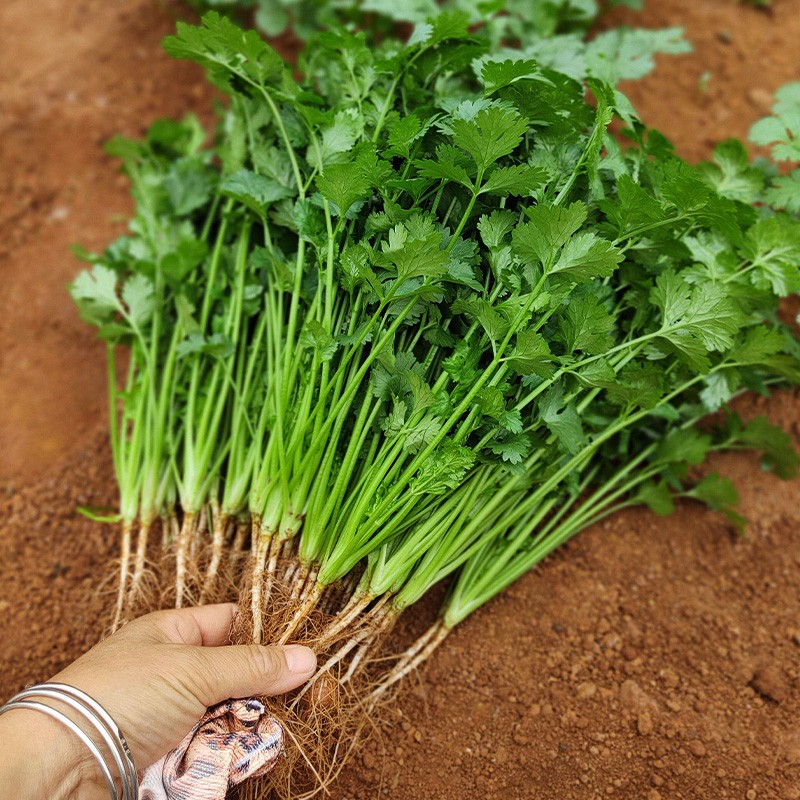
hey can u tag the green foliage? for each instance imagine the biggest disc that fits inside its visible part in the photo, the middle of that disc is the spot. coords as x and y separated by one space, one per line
418 309
781 132
306 17
551 32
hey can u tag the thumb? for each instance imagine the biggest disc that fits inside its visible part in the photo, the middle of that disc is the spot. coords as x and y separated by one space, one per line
220 673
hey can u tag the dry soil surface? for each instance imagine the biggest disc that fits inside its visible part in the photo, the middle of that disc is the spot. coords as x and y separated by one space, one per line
649 659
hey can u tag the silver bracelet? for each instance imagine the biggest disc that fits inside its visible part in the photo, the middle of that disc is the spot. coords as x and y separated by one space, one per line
107 729
98 718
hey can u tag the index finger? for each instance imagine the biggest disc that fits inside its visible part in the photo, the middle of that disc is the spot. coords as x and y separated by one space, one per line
209 626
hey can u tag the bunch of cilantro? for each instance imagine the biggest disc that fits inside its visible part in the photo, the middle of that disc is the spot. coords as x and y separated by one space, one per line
419 315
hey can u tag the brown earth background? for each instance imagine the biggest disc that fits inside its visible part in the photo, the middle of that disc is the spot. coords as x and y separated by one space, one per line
651 658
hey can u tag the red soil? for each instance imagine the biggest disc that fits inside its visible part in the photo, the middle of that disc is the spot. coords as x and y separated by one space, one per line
651 658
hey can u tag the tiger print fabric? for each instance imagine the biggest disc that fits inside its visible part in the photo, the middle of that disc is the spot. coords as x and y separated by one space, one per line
234 741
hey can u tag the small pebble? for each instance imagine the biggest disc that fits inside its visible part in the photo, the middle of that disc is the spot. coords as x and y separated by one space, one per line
791 747
586 690
697 748
769 682
644 724
760 98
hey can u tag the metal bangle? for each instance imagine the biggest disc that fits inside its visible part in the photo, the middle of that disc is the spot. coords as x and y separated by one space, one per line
128 773
100 720
68 723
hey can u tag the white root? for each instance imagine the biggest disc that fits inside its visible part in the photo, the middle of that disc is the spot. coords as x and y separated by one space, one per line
166 528
274 554
346 617
310 586
124 572
300 578
332 662
343 593
291 570
240 536
331 600
411 659
351 581
221 524
236 550
197 533
262 542
141 560
181 557
172 534
384 626
377 622
339 596
312 596
357 660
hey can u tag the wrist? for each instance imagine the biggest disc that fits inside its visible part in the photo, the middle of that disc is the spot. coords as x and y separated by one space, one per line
44 759
90 784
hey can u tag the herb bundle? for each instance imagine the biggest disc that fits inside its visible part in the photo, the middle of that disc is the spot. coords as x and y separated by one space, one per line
418 317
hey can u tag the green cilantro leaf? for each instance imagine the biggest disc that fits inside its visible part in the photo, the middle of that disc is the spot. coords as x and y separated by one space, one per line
779 453
549 228
343 185
95 292
255 191
494 133
720 495
781 131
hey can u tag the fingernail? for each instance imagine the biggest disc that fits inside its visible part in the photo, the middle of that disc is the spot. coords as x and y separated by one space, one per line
300 660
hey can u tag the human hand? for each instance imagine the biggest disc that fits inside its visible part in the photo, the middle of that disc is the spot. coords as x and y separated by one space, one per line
156 677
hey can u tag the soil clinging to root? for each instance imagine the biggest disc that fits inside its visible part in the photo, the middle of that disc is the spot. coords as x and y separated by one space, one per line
651 658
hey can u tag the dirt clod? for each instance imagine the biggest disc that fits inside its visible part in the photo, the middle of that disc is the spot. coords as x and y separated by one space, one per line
761 99
644 724
634 698
769 681
697 748
586 691
791 747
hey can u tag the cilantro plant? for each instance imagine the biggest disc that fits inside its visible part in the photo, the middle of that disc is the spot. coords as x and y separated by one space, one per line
418 316
306 17
781 132
551 31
